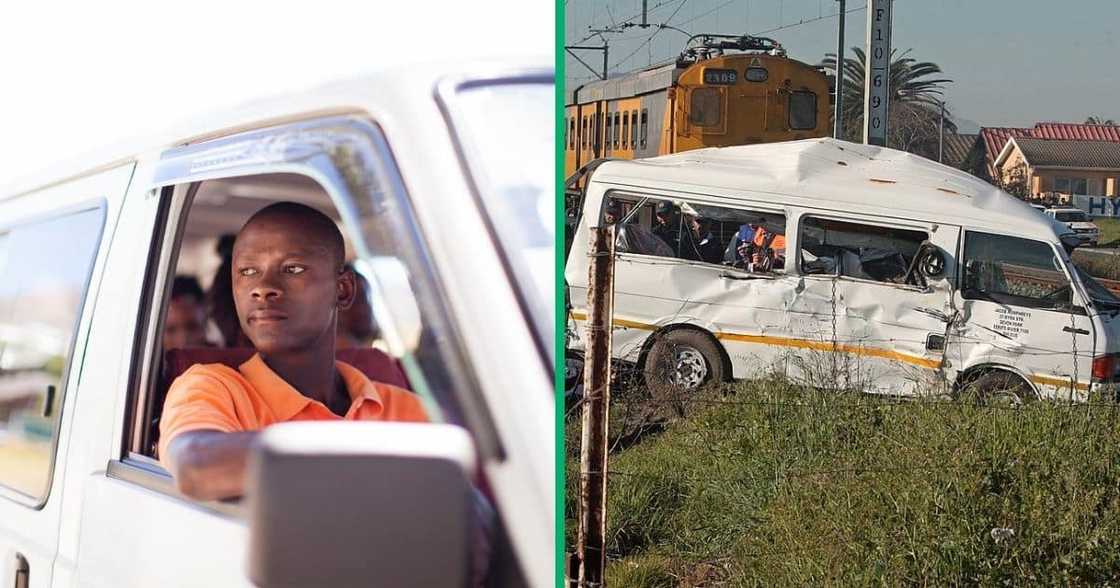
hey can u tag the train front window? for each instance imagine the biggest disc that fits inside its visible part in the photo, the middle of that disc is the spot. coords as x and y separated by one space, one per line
705 107
802 111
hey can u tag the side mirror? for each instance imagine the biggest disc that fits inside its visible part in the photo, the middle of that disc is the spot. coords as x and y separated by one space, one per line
931 261
360 504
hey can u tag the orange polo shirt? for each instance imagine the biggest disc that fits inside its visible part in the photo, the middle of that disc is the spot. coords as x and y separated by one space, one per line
252 397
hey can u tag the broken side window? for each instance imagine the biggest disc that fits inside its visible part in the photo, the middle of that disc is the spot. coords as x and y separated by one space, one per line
1015 271
752 240
857 250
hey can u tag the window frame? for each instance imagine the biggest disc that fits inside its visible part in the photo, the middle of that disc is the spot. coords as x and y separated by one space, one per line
180 171
101 205
1075 288
719 107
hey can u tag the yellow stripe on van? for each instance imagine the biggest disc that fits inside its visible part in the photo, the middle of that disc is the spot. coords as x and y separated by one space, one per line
1057 382
792 342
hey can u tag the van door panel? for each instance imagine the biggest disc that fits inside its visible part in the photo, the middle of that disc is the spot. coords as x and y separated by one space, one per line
34 534
1053 347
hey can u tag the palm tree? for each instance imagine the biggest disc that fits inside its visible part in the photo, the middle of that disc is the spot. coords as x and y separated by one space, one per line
1099 120
915 106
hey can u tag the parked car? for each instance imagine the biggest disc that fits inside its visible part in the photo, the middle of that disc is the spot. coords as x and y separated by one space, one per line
843 266
456 244
1086 230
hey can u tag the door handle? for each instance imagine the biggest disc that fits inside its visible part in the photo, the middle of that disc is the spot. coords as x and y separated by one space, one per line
1075 330
23 572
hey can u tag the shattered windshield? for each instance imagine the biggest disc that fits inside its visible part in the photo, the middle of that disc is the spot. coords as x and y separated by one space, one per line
1097 292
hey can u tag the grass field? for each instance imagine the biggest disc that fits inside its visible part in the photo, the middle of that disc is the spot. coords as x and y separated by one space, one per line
771 484
1110 231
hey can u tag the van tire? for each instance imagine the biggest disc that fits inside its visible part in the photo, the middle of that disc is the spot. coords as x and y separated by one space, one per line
678 363
1000 387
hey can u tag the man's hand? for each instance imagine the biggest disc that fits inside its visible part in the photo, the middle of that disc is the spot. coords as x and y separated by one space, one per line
210 465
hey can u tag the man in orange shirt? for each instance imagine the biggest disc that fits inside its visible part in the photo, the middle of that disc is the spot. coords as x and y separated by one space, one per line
289 284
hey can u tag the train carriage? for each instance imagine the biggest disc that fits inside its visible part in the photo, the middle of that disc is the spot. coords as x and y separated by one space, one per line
709 97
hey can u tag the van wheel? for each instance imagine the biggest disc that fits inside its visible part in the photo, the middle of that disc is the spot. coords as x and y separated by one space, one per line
678 364
1001 388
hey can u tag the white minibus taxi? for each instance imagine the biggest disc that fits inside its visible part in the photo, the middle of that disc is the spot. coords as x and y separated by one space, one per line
417 172
843 266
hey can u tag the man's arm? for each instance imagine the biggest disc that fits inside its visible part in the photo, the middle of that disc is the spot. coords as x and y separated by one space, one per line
210 465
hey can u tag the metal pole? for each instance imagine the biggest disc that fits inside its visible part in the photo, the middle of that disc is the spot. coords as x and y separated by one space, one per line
838 117
876 82
604 58
596 403
644 23
941 132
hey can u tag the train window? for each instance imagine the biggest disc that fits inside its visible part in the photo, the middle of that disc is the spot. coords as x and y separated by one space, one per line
704 111
572 133
583 130
607 135
757 74
645 126
617 130
802 111
625 131
633 129
598 129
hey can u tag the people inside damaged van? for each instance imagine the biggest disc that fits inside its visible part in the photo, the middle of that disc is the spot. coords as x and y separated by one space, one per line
699 242
665 228
756 248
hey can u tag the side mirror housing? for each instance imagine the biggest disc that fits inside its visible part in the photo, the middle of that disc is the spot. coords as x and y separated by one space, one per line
360 504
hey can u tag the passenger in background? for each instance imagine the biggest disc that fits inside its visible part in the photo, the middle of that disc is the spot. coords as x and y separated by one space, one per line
612 212
699 243
356 326
219 300
185 325
664 226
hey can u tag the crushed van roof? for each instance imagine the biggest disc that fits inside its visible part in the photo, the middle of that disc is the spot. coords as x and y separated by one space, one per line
848 176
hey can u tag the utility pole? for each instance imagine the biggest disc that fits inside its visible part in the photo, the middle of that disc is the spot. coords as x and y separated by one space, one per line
876 82
838 117
571 51
941 132
596 403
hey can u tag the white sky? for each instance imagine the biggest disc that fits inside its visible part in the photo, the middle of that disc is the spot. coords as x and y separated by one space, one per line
75 76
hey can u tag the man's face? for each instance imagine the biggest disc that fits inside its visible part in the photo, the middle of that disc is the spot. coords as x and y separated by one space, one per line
185 325
609 217
287 288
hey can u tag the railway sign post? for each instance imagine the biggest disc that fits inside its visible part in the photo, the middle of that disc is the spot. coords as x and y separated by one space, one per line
876 83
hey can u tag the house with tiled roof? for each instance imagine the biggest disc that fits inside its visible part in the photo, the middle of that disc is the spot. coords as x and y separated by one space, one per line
991 140
1058 168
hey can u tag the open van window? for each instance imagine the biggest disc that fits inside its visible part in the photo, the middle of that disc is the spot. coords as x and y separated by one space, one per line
692 231
855 250
1014 271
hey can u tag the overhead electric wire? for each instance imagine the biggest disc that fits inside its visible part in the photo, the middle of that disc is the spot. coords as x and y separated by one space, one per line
654 34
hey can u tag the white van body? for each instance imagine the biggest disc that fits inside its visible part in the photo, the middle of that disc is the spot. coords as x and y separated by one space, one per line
837 330
109 518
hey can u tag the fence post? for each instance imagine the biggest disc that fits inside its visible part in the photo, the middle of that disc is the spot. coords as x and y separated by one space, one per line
596 390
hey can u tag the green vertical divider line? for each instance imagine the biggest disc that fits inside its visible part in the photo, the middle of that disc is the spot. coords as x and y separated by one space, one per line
559 302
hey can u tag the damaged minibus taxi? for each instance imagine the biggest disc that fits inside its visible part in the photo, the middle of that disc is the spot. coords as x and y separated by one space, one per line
843 266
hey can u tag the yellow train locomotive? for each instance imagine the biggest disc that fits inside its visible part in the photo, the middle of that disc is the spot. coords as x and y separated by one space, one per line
722 90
